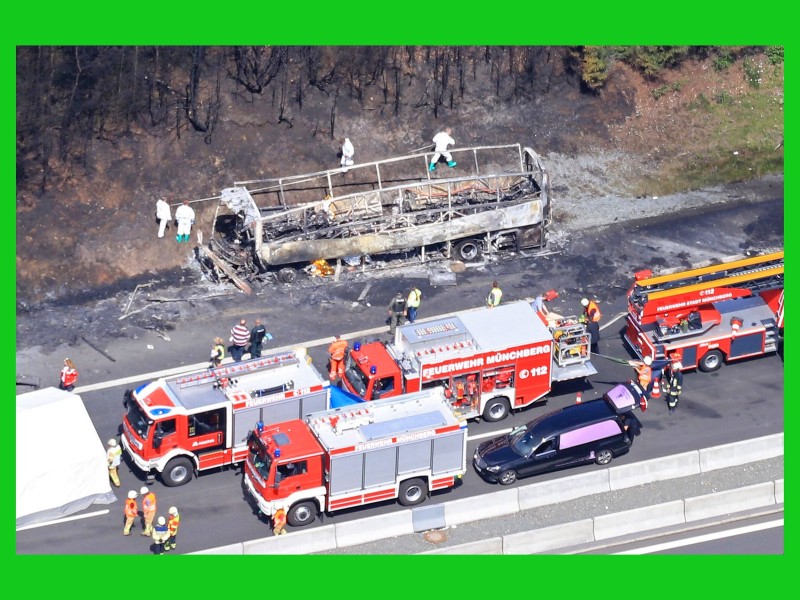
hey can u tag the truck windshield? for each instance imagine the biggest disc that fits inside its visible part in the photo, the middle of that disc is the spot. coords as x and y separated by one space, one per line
357 379
259 456
138 420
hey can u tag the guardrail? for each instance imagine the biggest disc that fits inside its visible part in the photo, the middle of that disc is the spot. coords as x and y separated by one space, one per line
509 501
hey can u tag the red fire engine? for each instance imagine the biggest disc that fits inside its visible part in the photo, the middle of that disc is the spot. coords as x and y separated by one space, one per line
195 422
706 316
345 457
490 360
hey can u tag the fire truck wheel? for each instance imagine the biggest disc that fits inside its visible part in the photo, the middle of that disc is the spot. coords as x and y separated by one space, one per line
603 457
412 491
179 471
507 477
711 361
496 410
301 514
468 250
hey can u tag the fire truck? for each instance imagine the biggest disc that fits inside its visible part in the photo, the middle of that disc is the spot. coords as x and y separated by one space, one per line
709 315
345 457
489 360
189 423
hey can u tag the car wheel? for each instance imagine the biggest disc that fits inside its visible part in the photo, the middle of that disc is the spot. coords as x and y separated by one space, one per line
603 457
496 409
507 477
178 472
412 492
301 514
711 361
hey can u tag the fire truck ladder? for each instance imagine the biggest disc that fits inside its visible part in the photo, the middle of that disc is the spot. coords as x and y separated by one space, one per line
757 274
241 368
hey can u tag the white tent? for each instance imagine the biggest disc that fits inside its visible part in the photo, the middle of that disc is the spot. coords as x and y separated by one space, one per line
61 461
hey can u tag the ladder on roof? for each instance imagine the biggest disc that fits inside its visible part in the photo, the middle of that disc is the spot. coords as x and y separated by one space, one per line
755 273
237 369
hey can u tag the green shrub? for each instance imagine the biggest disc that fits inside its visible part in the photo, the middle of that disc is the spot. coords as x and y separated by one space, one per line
595 66
775 54
653 60
723 97
663 89
723 61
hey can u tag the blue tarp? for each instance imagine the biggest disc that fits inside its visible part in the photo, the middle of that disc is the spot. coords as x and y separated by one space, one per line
340 397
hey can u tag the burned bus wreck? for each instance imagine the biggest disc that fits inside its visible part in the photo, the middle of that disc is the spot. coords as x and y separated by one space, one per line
497 198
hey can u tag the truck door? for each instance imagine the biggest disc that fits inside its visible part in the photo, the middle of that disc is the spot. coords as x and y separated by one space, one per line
291 477
165 436
206 436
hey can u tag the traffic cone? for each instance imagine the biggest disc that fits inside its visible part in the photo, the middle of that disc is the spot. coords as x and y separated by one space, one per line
578 398
656 393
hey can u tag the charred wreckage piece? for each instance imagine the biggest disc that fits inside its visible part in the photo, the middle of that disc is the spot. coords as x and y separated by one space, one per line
497 199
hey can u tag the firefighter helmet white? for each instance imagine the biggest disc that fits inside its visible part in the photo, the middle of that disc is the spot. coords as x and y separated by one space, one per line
584 302
112 442
648 360
143 491
131 494
162 521
173 511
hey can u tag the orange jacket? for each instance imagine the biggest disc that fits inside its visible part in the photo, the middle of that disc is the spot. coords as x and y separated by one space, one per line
279 518
172 524
337 349
593 311
149 503
131 510
645 375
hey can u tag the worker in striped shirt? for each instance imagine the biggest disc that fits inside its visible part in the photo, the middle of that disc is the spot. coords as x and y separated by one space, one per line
240 337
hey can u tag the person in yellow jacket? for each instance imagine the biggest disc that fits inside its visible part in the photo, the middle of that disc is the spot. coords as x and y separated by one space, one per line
131 511
172 529
148 510
114 458
412 303
279 522
493 299
217 352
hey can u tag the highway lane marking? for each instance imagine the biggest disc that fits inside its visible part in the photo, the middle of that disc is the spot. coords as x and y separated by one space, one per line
64 520
704 538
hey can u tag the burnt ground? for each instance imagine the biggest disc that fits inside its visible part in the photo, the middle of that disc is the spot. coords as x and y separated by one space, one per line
84 247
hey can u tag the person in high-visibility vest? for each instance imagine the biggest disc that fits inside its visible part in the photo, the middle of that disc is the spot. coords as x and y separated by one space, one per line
644 374
412 303
495 295
114 458
592 316
337 351
160 534
217 352
131 511
172 529
148 510
279 522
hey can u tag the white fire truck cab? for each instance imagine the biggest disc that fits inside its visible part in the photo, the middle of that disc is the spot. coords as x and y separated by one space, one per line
708 315
341 458
189 423
489 360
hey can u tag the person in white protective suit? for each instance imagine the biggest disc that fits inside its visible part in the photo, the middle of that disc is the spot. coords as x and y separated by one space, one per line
442 140
185 217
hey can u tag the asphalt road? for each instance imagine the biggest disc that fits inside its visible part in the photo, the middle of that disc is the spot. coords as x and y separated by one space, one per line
741 401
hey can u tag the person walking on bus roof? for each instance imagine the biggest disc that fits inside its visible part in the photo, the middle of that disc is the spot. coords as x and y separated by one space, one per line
347 154
442 140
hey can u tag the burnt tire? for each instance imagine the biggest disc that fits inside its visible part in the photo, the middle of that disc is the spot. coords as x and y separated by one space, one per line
507 477
302 513
178 471
468 250
496 409
711 361
287 275
412 491
604 456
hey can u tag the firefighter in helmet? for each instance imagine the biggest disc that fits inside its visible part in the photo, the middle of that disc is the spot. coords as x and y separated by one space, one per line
673 382
131 510
592 316
644 374
172 529
160 534
279 522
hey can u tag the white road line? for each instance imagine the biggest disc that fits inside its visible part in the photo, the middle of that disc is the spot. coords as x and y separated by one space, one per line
490 434
64 520
704 538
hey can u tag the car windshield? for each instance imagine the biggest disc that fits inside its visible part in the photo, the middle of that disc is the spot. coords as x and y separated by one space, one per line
356 377
523 440
138 420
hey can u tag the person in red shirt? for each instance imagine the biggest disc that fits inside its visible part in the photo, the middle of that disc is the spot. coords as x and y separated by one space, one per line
69 376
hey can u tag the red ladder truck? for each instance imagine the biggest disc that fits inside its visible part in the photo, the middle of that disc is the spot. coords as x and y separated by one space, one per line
490 360
189 423
709 315
346 457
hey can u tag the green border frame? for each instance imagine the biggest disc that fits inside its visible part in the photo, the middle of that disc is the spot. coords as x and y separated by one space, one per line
466 23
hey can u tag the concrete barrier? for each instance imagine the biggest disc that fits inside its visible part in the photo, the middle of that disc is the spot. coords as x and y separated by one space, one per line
549 538
229 549
561 490
638 519
370 529
730 501
657 469
739 453
779 491
496 504
490 546
316 539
